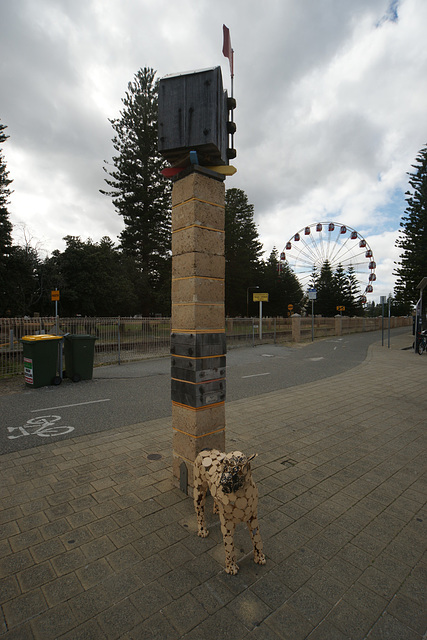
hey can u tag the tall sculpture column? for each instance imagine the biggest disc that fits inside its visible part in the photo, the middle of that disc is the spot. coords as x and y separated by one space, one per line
198 319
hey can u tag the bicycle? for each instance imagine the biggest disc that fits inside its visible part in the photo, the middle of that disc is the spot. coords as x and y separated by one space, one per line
422 342
43 426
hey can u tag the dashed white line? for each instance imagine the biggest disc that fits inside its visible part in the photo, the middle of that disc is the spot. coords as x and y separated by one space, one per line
255 375
65 406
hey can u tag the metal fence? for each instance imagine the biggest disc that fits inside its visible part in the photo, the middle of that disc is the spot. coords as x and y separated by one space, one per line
126 339
118 339
246 331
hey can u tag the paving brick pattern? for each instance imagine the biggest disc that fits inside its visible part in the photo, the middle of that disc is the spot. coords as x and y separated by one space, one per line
97 542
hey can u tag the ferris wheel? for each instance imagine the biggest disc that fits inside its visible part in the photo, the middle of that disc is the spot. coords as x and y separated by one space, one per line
336 243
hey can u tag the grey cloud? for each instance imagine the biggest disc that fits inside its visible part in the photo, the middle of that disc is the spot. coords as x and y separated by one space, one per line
311 130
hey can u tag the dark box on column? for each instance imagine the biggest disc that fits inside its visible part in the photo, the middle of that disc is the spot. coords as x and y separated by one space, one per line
198 369
198 345
198 395
193 115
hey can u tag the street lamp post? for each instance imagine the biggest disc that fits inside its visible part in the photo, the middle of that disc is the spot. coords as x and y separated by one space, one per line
247 299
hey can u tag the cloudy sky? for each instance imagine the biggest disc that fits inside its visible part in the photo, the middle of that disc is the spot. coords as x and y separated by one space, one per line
332 103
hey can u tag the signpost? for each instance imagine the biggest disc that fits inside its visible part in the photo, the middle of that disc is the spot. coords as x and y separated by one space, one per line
260 297
312 295
54 296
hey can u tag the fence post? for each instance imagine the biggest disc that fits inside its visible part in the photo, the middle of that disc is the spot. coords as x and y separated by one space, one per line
296 327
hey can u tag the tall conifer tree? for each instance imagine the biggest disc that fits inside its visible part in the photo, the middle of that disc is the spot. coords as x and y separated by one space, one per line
5 226
243 251
139 192
413 235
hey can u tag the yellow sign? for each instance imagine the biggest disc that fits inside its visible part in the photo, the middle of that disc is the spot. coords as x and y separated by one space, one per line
54 295
340 308
290 307
260 297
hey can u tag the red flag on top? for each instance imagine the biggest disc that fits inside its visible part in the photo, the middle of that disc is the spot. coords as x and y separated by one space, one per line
226 48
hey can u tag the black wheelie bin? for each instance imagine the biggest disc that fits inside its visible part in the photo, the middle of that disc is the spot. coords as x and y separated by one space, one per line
79 351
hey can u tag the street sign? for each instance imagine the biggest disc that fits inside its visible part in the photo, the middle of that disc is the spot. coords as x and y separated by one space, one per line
290 307
260 297
340 308
54 295
312 294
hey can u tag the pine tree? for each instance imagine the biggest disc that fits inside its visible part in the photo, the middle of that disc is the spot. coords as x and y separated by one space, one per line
328 296
5 224
5 227
340 286
313 277
243 251
413 235
282 286
139 193
353 293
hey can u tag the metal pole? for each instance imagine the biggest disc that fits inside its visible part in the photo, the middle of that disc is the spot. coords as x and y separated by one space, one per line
247 299
260 319
312 320
118 338
382 323
389 321
56 314
418 312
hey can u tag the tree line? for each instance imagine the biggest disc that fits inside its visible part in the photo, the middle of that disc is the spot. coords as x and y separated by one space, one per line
133 275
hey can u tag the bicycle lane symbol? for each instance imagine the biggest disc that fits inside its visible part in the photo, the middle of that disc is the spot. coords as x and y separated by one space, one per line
43 426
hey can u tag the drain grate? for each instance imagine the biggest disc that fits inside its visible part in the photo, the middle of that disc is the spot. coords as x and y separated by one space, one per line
154 456
288 463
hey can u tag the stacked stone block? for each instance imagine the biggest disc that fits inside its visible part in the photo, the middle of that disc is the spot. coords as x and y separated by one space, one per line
198 318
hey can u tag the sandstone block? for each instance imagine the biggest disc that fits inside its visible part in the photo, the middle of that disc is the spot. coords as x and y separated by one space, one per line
199 422
189 447
198 316
197 239
176 468
196 289
198 264
199 186
196 212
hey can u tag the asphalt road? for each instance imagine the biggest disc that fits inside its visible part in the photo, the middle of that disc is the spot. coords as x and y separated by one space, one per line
140 391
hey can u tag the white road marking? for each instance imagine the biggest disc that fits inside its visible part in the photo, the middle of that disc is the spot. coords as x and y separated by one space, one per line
255 375
316 359
65 406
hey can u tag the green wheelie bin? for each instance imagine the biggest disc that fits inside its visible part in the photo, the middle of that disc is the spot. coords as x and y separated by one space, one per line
41 358
79 351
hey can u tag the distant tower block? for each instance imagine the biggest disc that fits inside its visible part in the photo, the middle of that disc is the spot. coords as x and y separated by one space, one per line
198 318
